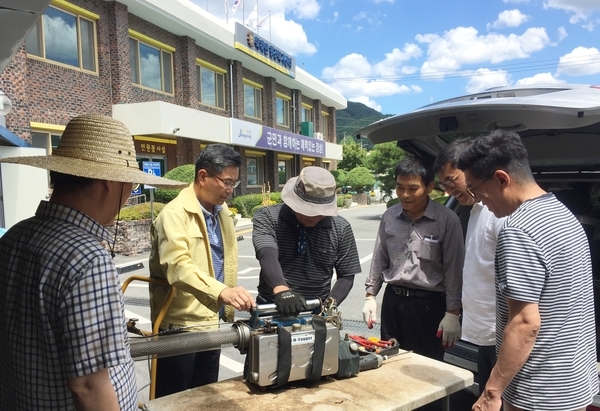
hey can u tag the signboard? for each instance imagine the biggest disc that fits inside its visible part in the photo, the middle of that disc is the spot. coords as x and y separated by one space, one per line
151 167
254 45
248 134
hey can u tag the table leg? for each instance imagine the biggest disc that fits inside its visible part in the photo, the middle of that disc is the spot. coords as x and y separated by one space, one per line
446 403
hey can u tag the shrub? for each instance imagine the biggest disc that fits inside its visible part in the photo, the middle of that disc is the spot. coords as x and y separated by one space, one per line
233 210
392 202
347 196
340 201
340 177
184 173
359 178
140 211
247 203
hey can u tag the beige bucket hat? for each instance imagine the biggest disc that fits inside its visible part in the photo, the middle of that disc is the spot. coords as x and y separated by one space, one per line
98 147
312 193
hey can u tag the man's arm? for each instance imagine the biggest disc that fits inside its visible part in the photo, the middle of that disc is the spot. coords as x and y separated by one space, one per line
347 263
519 337
264 239
93 392
175 252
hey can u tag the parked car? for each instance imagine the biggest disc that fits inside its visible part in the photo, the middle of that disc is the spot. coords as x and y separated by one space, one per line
559 125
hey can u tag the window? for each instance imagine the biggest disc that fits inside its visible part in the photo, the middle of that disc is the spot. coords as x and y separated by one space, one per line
46 140
66 37
151 63
284 168
211 84
252 100
255 170
306 113
282 105
325 124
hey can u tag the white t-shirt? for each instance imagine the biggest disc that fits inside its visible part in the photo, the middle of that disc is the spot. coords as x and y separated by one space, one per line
479 291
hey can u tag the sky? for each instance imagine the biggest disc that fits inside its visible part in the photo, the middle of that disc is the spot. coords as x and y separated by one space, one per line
398 55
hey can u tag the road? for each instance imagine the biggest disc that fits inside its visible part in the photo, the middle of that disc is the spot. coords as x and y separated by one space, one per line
365 222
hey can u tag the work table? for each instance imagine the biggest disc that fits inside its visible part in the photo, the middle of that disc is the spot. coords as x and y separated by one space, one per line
403 382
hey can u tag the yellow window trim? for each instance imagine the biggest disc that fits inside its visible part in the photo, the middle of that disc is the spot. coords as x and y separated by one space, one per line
252 83
284 157
312 159
65 5
327 161
304 105
210 66
46 127
283 96
148 40
324 113
155 139
255 153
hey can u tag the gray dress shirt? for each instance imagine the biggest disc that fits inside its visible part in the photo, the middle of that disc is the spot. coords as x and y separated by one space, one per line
427 253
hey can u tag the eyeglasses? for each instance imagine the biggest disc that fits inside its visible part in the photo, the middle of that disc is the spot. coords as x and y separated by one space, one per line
449 183
470 189
226 183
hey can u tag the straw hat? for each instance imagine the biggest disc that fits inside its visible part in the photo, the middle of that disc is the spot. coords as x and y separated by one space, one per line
312 193
98 147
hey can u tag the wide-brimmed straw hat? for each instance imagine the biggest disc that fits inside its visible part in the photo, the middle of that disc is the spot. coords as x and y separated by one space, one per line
312 193
98 147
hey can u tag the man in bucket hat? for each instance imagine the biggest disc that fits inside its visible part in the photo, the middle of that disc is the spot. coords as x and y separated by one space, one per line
64 341
298 244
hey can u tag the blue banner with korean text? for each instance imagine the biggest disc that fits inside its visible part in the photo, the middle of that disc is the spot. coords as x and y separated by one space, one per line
249 134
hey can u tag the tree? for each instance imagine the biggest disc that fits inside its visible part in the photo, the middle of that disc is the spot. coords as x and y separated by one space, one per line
353 155
340 177
359 178
185 173
382 161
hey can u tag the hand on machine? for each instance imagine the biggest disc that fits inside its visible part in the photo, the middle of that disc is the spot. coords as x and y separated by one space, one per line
289 303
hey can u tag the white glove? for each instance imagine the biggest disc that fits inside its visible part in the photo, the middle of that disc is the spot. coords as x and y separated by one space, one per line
449 330
369 311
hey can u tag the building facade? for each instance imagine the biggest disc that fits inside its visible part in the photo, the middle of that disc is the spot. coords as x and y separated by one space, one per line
179 79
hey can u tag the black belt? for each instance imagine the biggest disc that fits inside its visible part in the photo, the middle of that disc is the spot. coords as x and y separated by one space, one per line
411 292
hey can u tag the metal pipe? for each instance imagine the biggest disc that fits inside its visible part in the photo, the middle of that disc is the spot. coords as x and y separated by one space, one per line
184 343
271 309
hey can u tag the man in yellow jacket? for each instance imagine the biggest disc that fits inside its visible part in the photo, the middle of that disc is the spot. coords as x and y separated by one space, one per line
194 248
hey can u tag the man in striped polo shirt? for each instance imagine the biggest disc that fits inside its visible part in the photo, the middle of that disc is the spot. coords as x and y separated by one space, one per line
300 242
545 310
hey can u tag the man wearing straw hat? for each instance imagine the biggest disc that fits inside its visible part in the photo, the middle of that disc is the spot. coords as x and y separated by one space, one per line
194 248
300 242
64 341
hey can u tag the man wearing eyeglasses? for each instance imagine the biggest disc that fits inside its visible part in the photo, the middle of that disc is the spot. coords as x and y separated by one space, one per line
478 290
545 304
419 253
194 248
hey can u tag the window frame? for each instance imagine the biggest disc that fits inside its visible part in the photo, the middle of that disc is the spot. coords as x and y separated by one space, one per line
307 113
218 74
260 168
163 51
284 100
325 124
257 99
80 15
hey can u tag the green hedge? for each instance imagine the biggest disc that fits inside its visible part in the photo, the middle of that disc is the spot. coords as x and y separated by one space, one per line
140 211
184 173
246 204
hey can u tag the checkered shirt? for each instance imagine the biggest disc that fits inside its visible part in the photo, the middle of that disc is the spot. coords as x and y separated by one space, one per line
61 312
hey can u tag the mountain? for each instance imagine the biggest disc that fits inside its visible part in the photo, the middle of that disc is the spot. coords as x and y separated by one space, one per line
354 117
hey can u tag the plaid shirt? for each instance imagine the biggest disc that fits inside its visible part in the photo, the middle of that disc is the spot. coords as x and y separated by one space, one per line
61 312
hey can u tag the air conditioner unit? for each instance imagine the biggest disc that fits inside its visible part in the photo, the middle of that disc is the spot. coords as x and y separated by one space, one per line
318 136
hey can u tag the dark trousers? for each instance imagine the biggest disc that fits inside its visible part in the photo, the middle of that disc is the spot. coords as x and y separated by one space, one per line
486 359
182 372
413 321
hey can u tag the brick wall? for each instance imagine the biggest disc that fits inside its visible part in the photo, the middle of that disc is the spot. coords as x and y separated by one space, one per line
133 237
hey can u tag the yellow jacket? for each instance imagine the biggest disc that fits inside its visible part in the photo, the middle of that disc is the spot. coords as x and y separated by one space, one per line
181 255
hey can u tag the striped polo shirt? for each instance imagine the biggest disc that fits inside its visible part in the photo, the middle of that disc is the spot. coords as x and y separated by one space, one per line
329 245
543 257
